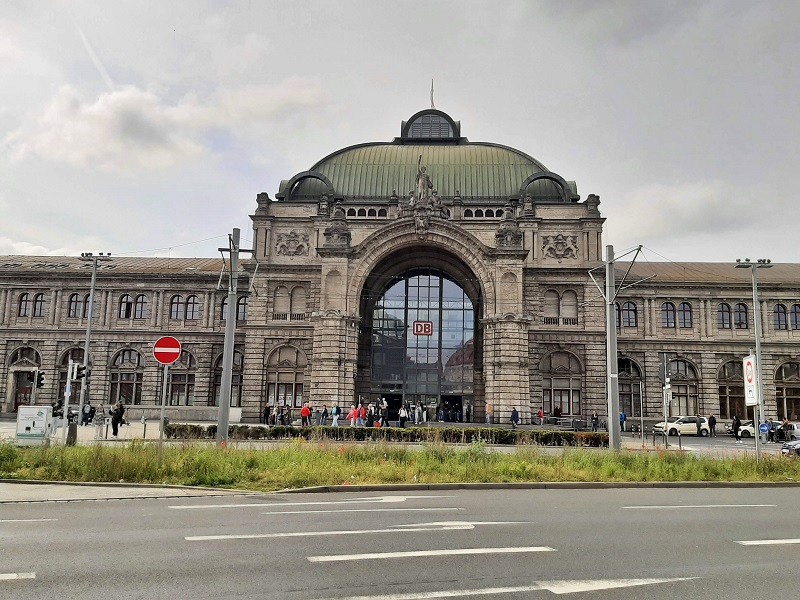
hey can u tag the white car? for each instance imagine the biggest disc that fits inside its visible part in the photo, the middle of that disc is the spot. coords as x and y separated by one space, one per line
686 425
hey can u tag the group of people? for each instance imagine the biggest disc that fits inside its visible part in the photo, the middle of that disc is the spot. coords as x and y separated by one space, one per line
371 414
92 415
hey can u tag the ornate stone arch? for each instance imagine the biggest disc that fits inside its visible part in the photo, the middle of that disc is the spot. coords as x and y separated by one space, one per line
288 189
561 184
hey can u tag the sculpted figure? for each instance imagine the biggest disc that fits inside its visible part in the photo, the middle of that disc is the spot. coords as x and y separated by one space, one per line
424 183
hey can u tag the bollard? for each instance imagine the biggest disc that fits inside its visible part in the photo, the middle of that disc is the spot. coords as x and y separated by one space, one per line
680 446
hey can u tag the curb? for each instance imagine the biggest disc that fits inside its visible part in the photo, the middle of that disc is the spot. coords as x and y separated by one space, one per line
113 484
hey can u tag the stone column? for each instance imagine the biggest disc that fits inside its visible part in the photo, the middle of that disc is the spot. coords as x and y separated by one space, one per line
335 355
505 366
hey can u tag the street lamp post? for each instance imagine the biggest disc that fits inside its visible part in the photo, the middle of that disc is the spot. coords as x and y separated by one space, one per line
761 263
88 257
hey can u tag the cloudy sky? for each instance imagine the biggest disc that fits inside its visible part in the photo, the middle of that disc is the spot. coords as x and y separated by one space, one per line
148 128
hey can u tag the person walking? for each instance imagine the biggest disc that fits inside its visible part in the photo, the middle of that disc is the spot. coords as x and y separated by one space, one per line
402 416
514 418
735 426
540 416
266 414
87 411
622 418
288 416
335 412
116 418
305 415
595 422
324 416
489 413
384 413
352 415
712 425
362 415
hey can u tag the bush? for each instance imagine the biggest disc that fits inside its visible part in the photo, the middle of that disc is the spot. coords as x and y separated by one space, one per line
427 435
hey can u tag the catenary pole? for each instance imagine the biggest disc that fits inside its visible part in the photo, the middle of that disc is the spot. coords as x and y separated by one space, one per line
89 257
614 441
230 332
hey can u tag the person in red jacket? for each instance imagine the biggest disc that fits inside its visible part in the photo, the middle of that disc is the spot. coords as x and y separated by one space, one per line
305 415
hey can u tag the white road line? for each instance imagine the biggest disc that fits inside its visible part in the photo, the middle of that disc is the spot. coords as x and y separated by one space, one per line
349 510
768 542
371 500
556 587
25 520
12 576
417 553
448 523
291 534
671 506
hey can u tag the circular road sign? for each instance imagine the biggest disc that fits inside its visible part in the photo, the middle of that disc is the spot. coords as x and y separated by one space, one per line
763 428
749 369
167 350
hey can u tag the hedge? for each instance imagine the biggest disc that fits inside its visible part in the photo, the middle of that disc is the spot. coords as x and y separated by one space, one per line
447 435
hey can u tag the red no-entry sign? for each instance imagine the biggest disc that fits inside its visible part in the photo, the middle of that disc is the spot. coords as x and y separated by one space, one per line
167 350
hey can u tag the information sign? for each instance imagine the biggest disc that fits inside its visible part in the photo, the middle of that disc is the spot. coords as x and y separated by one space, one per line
423 328
750 381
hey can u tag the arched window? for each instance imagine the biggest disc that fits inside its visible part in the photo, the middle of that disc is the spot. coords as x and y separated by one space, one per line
125 307
38 305
285 371
499 212
684 382
176 308
25 355
351 212
86 307
298 304
74 306
479 213
550 308
779 313
382 212
127 370
490 213
724 315
629 314
468 213
362 212
76 356
685 315
236 379
630 387
668 315
241 308
561 384
24 306
372 213
181 380
282 304
740 316
140 307
730 382
787 390
795 316
192 308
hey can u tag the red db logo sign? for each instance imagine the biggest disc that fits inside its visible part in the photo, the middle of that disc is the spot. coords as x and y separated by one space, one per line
423 328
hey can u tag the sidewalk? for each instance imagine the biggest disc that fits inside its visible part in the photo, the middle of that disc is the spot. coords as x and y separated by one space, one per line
73 492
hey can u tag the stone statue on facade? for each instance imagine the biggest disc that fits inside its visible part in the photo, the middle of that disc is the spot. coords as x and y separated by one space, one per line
337 234
322 209
508 234
424 183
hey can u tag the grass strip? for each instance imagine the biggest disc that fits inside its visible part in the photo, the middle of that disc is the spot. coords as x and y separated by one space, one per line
302 463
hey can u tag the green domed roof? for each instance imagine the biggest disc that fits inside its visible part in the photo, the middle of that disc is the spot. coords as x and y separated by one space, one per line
455 165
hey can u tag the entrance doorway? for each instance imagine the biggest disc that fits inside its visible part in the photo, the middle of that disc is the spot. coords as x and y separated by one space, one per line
394 401
23 388
452 409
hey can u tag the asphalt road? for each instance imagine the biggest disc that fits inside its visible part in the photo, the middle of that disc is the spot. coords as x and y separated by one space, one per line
509 544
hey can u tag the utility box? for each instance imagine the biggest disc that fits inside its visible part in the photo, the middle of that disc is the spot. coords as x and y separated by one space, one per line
34 424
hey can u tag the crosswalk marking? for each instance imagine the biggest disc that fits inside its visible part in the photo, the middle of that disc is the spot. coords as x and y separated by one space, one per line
369 500
13 576
352 510
768 542
25 520
671 506
419 553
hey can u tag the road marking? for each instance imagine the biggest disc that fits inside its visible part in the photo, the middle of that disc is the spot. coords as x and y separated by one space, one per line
349 510
370 500
768 542
412 527
417 553
12 576
25 520
670 506
556 587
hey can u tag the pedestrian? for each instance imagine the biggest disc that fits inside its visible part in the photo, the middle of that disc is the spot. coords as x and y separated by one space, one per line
402 416
266 414
99 421
786 429
305 415
384 413
288 416
335 412
736 425
489 413
468 414
352 416
116 418
362 415
712 425
87 410
540 416
324 416
698 421
595 422
770 431
514 418
622 418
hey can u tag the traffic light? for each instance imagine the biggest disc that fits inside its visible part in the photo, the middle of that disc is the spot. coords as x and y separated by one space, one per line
40 379
81 372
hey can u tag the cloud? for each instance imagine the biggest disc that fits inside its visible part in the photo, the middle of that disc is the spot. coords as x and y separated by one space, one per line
9 246
128 129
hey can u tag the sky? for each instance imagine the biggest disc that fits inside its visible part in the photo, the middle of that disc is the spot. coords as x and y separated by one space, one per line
147 128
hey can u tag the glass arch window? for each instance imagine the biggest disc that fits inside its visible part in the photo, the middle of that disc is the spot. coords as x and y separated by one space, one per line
779 315
180 388
125 306
192 312
730 382
685 385
724 315
787 390
76 356
25 354
285 372
25 305
236 379
74 306
628 314
630 387
561 384
668 315
685 315
795 317
38 305
86 307
127 370
140 307
176 308
740 316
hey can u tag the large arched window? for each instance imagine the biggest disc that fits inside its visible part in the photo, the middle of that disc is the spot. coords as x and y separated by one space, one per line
241 309
740 316
285 372
730 382
787 390
668 315
550 308
86 307
181 380
127 369
25 355
76 356
74 306
780 320
236 379
684 382
685 315
24 305
630 387
795 317
298 307
38 305
192 312
724 315
140 307
125 306
561 384
176 308
629 314
281 305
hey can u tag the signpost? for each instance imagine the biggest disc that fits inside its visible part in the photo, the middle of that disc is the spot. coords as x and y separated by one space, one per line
752 391
166 351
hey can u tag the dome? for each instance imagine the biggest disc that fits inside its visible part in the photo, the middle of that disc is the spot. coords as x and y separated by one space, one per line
472 170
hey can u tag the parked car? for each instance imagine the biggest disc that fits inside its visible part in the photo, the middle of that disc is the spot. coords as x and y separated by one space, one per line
791 449
746 430
685 425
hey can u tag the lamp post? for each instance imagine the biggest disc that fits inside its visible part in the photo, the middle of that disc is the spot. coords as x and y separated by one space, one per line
88 257
761 263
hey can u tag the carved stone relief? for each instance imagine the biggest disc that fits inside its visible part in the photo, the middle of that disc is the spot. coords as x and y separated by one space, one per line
560 246
292 243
